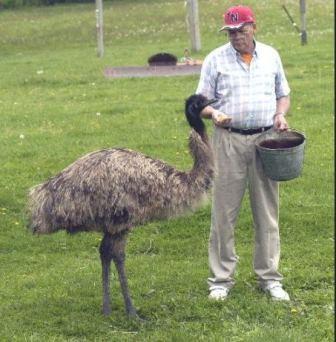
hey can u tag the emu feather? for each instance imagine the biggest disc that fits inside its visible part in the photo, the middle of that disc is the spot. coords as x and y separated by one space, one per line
114 190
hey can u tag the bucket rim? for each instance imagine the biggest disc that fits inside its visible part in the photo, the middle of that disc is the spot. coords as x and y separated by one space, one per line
268 135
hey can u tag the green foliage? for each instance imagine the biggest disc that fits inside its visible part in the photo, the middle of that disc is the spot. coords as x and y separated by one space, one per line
56 105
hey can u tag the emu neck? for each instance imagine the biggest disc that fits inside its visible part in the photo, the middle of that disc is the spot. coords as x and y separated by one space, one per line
202 171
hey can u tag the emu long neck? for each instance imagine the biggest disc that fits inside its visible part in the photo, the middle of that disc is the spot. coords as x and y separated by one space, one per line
203 168
188 189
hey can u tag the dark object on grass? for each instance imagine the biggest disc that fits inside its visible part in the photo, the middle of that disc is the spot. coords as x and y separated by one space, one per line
162 58
114 190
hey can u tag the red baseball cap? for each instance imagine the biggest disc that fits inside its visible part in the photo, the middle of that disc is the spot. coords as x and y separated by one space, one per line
237 16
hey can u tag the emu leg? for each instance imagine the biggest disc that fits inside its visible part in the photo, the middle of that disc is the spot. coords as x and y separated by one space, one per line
106 257
119 260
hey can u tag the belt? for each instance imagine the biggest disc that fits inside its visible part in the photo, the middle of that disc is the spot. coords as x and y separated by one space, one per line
249 131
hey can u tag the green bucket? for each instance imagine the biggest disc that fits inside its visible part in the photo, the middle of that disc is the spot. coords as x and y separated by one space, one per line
281 153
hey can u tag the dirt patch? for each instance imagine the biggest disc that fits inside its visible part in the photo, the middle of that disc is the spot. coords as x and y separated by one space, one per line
180 69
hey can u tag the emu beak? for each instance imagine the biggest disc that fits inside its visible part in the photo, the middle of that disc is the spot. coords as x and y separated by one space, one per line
207 103
210 102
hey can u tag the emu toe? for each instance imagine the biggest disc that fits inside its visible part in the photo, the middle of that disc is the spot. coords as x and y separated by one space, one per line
106 310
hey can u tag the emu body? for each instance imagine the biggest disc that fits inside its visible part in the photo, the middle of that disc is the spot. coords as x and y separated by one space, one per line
114 190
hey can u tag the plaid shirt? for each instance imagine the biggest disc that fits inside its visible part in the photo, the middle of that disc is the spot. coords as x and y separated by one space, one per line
247 93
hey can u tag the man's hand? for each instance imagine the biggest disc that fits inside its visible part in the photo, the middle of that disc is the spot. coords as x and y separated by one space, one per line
280 123
220 119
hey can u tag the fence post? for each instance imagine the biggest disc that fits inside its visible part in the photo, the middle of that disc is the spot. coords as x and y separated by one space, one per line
303 22
193 24
99 27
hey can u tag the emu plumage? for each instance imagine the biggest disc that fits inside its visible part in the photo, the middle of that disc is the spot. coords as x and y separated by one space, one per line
114 190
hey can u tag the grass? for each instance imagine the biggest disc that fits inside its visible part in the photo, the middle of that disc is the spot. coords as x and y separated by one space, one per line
56 106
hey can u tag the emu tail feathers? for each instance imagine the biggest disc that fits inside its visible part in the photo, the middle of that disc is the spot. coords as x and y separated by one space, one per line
193 106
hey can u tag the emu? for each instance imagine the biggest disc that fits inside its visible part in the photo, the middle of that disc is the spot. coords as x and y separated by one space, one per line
113 190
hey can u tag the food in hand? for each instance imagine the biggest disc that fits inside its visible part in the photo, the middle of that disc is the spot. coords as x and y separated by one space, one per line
221 117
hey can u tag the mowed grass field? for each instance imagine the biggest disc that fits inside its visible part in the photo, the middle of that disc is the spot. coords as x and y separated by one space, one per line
56 105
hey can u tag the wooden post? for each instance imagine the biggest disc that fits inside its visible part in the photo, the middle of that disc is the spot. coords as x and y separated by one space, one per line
193 24
99 27
303 22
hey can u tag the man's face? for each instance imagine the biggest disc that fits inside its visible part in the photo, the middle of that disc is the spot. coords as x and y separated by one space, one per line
242 39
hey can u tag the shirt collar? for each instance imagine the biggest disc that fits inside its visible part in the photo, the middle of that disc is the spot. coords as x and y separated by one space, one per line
255 52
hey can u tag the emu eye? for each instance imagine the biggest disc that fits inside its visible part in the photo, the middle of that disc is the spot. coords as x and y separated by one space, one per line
194 107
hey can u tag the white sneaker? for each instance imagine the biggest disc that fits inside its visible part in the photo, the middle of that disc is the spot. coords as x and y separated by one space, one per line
218 292
276 291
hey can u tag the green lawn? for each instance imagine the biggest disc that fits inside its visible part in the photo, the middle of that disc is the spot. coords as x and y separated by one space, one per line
56 105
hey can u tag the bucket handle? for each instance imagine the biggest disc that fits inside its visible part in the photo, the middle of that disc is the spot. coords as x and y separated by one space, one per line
297 131
290 129
278 133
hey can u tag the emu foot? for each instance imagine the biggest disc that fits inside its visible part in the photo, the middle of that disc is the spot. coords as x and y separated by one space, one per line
106 310
107 313
131 313
134 316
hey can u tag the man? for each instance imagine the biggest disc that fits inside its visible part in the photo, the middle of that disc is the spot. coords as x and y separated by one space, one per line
247 79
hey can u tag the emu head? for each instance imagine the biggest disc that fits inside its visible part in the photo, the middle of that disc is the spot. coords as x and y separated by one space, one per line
193 106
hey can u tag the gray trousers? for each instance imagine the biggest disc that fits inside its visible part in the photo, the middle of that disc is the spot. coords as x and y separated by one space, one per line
238 167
